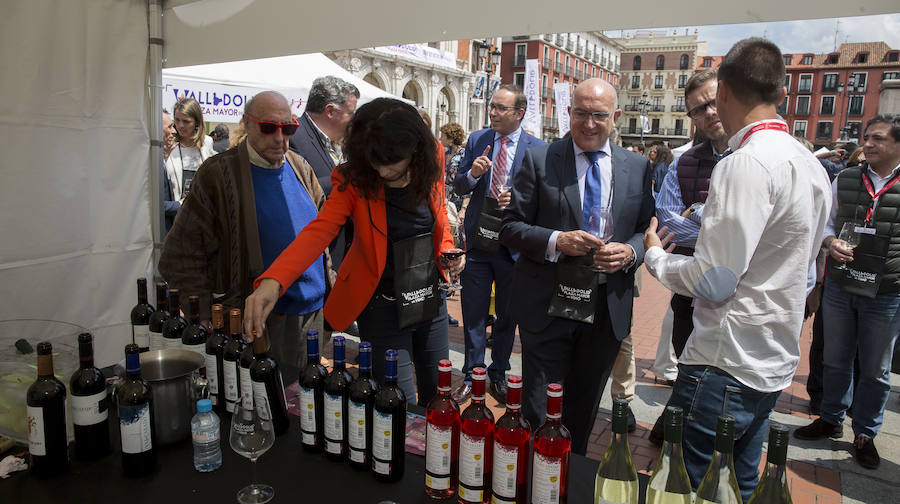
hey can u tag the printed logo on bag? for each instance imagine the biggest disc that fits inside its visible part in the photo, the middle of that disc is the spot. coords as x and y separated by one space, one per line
418 295
574 293
488 233
862 276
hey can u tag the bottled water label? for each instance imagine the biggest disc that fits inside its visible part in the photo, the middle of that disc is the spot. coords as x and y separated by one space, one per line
206 435
506 459
90 410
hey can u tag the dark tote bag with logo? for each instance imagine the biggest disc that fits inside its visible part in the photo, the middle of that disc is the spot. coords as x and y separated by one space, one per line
575 294
863 275
416 280
487 229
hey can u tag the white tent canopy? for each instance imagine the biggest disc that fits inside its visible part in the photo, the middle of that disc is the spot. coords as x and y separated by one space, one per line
75 114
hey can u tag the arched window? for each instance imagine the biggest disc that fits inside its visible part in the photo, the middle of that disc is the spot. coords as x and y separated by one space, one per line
660 62
684 62
637 63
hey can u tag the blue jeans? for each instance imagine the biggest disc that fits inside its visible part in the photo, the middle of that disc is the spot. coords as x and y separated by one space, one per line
705 392
856 325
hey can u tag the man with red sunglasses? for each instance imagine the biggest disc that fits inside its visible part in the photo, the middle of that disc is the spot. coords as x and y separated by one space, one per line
245 206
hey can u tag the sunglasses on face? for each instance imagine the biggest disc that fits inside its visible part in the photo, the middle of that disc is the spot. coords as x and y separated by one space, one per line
267 128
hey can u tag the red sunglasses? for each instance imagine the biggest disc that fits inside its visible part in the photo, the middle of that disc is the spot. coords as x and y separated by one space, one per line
267 128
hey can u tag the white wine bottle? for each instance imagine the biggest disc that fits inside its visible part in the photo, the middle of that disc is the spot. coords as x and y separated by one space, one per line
719 484
616 480
670 483
773 486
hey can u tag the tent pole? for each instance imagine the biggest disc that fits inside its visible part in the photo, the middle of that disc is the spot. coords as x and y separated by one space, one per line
154 91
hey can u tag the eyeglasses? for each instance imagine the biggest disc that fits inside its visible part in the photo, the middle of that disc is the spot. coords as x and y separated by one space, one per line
267 127
583 115
501 108
699 110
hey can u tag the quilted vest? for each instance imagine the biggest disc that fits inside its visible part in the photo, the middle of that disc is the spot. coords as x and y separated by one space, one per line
694 170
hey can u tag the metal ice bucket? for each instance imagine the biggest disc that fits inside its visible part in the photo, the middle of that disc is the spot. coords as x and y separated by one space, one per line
174 376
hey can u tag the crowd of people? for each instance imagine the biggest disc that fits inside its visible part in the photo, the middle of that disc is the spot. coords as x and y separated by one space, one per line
347 218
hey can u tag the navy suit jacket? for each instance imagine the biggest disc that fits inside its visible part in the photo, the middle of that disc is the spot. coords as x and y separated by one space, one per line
305 141
476 144
545 198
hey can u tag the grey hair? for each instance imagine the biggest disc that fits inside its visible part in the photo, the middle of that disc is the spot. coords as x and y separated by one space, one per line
329 90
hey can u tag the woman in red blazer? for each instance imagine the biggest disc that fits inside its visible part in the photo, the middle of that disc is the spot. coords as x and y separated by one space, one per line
392 187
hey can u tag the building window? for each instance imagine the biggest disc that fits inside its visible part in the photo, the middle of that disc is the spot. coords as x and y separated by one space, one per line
519 79
832 59
890 75
862 57
707 62
856 105
800 129
521 52
654 126
544 80
860 82
829 83
854 130
824 130
827 107
556 58
807 60
683 65
632 125
658 81
783 108
660 62
682 81
657 104
802 105
787 60
787 82
679 127
635 81
679 102
546 53
805 85
637 63
892 57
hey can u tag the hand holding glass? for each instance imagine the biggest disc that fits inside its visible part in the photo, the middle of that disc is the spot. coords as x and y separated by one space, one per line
850 236
251 436
600 223
447 256
504 189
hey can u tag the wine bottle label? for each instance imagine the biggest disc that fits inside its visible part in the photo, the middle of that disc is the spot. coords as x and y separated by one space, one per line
246 389
356 431
212 374
470 495
654 496
381 467
438 445
156 340
141 335
471 461
261 399
495 499
206 435
308 412
333 419
357 456
545 479
36 441
134 425
437 482
230 375
172 343
506 460
382 428
200 348
90 410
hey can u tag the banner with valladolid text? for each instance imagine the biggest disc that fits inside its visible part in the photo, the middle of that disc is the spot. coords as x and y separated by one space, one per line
532 120
222 102
561 94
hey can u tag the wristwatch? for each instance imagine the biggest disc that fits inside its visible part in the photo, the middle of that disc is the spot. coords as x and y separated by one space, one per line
696 206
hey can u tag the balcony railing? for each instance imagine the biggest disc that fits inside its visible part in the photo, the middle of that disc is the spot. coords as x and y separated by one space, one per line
658 108
678 108
546 64
802 112
558 68
570 45
569 70
855 112
579 74
546 92
804 88
548 37
632 108
519 61
677 132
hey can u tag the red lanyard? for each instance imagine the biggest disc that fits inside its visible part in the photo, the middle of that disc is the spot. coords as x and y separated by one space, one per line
875 195
775 125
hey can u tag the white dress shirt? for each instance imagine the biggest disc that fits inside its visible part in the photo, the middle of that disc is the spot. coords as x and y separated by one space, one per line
767 207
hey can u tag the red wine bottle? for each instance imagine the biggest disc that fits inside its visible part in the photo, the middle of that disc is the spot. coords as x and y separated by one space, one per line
46 409
359 411
230 357
335 397
175 324
136 418
90 404
246 384
389 425
268 386
476 444
312 387
215 348
552 448
140 317
512 447
158 318
442 438
194 336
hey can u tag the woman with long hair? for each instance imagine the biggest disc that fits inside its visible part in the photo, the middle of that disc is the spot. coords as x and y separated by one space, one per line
193 148
452 139
392 187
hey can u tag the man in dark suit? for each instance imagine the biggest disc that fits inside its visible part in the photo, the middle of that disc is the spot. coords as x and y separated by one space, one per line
492 157
557 186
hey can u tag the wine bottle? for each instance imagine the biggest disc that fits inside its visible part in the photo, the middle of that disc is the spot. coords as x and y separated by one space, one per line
670 483
158 318
215 347
773 485
442 438
90 405
552 448
476 444
246 384
140 317
616 480
359 411
312 383
268 386
175 324
512 447
389 425
194 336
719 484
230 357
46 408
337 385
135 418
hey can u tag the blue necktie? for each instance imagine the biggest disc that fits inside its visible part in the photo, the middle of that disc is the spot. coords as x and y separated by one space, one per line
592 187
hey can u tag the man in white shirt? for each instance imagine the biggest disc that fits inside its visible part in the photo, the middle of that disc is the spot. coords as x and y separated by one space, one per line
762 226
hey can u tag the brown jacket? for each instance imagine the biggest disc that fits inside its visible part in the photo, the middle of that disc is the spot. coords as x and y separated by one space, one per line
213 250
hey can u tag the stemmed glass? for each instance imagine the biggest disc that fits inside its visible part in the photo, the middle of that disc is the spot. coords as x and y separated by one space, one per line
450 254
850 236
504 188
600 223
251 436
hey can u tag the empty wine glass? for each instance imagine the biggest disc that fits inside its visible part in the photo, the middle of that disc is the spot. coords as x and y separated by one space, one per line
600 223
251 436
505 188
850 236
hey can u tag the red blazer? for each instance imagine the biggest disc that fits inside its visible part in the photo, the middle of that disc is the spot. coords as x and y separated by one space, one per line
363 264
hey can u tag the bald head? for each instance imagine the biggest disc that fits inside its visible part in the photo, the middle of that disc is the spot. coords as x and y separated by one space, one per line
596 88
593 114
267 107
269 100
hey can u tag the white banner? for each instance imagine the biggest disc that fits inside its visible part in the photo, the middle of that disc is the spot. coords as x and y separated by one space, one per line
532 120
222 102
561 93
421 52
645 124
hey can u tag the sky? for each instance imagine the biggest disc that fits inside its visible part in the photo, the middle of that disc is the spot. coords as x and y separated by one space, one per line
815 36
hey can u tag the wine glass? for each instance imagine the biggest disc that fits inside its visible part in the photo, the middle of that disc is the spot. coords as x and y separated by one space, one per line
450 254
251 436
600 224
850 236
504 188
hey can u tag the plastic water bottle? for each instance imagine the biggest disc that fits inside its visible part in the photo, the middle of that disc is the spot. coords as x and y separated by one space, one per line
205 434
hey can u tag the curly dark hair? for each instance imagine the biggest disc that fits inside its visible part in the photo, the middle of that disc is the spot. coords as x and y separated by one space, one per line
386 131
454 132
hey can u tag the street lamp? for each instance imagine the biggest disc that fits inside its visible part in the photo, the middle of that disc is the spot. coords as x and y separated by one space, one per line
851 88
489 56
643 105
